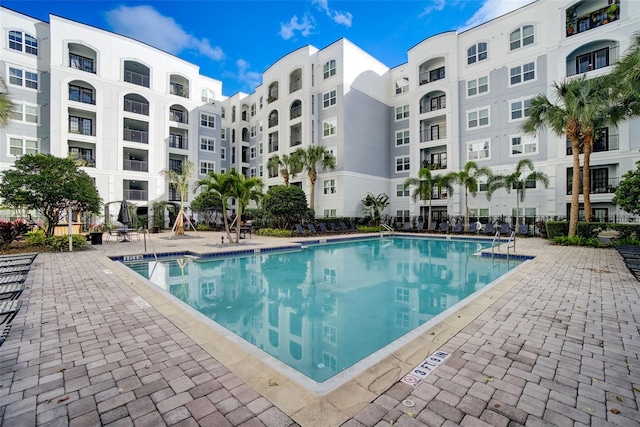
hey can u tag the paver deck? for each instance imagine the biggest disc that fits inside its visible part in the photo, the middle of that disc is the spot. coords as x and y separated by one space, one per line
556 343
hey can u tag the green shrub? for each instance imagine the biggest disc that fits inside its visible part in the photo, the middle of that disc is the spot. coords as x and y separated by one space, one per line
61 243
577 241
626 231
557 228
274 232
590 230
36 237
203 227
368 229
627 241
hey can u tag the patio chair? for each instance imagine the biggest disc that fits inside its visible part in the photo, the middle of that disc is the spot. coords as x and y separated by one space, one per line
312 229
523 230
432 227
407 227
333 228
29 256
344 227
444 227
473 228
299 229
14 269
457 229
111 233
15 262
4 333
11 291
353 227
15 278
505 229
323 228
419 227
8 310
488 228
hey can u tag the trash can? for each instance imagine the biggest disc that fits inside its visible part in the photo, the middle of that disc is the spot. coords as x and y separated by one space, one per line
96 238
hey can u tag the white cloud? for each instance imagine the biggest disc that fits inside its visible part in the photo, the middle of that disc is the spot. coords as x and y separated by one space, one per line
250 79
304 26
491 9
144 23
435 6
339 17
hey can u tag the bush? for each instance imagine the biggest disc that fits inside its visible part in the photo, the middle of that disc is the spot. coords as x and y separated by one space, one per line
274 232
627 241
626 231
61 243
557 228
36 237
203 227
368 229
577 241
285 205
11 230
590 230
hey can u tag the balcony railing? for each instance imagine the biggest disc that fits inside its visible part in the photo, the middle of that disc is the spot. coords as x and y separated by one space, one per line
431 75
295 112
273 121
295 85
135 135
81 126
176 89
78 62
594 60
81 94
593 19
136 107
136 78
273 96
130 194
295 140
244 116
434 166
426 107
273 146
605 143
178 141
178 116
135 165
427 135
598 185
83 160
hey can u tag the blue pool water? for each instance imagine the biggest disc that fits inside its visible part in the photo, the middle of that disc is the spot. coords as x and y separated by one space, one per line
323 308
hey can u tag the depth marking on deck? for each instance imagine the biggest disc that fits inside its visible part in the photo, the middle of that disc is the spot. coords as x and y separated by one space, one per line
422 371
141 302
107 271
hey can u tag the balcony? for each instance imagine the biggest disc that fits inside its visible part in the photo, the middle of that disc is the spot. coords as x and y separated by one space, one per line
433 133
136 107
179 90
295 85
136 78
81 126
593 60
178 116
273 96
578 21
178 141
135 165
174 194
602 143
132 194
82 157
433 102
81 63
81 94
598 185
430 76
135 135
296 110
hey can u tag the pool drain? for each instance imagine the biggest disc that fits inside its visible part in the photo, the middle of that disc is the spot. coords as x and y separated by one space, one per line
409 403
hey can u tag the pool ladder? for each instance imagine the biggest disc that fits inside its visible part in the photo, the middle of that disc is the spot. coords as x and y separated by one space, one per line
385 227
510 243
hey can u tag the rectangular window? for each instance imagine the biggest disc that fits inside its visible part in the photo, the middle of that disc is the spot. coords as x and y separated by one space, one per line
478 86
15 40
223 133
252 131
477 53
260 150
206 167
81 94
207 120
15 76
403 216
252 152
24 113
521 37
329 186
478 118
329 99
402 112
20 146
401 191
329 69
520 109
524 144
475 213
402 137
329 127
253 110
478 150
403 163
252 172
522 73
329 213
207 144
223 153
261 169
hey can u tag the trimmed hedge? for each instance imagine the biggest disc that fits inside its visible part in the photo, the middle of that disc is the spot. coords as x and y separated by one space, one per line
590 230
273 232
61 243
557 228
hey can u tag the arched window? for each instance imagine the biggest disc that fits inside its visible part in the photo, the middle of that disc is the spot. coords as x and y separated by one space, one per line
296 109
521 37
233 114
477 53
273 118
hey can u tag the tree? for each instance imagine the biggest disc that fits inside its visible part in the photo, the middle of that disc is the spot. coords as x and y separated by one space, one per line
49 185
372 206
309 159
285 205
219 184
579 109
206 204
288 166
180 179
243 190
6 105
468 178
627 195
625 81
425 184
517 182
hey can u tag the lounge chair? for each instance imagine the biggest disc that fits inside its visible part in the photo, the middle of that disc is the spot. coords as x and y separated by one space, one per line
444 227
323 228
344 227
8 310
299 229
523 230
407 227
432 227
333 228
419 227
312 229
11 292
457 229
15 269
488 228
4 333
353 227
16 278
15 262
505 229
473 228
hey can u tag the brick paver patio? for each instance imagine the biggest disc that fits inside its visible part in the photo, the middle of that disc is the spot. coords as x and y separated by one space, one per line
559 348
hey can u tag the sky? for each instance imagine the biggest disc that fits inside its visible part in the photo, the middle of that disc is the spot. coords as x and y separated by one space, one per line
235 41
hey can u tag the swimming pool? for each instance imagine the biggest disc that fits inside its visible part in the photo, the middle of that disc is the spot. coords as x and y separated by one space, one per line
323 308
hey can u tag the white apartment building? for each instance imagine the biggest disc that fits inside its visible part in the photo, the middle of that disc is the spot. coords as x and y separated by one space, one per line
128 110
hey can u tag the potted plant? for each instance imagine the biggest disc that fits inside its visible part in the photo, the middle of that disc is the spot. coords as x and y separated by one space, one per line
612 11
95 233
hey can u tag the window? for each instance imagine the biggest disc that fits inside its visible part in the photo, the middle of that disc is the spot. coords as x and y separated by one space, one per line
223 153
223 112
479 212
524 144
329 333
207 95
520 109
25 78
206 167
401 191
329 127
21 146
252 131
402 137
403 216
521 37
478 118
207 121
223 133
24 113
81 94
329 186
252 172
252 152
261 169
80 125
402 112
329 69
523 73
30 44
402 85
207 144
402 294
402 163
329 213
477 53
592 60
478 150
478 86
253 109
329 99
260 148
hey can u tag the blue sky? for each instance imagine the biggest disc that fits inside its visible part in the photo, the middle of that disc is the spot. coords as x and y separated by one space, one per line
235 41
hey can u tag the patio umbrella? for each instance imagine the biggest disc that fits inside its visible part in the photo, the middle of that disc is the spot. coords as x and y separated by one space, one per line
124 216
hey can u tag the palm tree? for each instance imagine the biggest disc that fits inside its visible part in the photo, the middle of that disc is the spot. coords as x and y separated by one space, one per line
309 159
6 106
374 205
180 179
288 166
468 178
219 184
580 108
625 80
425 184
516 182
243 190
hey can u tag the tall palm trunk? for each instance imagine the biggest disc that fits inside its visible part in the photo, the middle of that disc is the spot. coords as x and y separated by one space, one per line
466 209
586 174
285 176
572 132
313 176
518 208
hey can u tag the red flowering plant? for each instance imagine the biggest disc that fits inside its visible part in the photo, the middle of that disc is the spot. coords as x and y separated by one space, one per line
11 230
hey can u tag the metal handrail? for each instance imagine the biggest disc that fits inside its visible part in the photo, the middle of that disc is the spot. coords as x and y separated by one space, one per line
386 228
493 242
512 239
